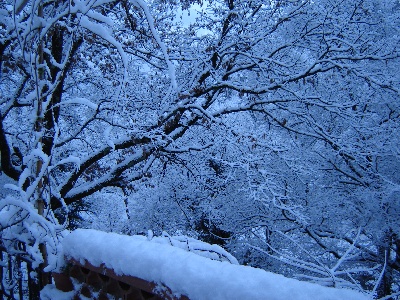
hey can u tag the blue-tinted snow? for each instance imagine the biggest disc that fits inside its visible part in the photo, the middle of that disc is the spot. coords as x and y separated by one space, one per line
189 274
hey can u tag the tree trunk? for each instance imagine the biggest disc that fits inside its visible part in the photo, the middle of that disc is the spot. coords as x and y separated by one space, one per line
385 286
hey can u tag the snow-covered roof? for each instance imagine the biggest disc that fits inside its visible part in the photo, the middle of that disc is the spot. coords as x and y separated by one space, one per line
187 273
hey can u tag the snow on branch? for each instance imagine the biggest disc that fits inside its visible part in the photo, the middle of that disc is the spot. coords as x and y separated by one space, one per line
106 35
188 149
20 223
156 36
338 276
79 100
69 160
213 252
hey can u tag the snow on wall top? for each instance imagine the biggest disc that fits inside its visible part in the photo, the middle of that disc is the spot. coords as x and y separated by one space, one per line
186 273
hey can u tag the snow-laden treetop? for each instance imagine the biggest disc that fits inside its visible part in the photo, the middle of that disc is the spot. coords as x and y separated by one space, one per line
187 273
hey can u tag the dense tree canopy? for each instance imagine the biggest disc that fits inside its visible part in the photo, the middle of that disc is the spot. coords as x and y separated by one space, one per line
270 127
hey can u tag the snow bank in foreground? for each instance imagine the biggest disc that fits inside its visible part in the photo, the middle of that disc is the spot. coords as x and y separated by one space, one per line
186 273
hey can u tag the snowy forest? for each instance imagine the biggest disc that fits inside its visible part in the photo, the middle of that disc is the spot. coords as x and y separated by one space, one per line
268 127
